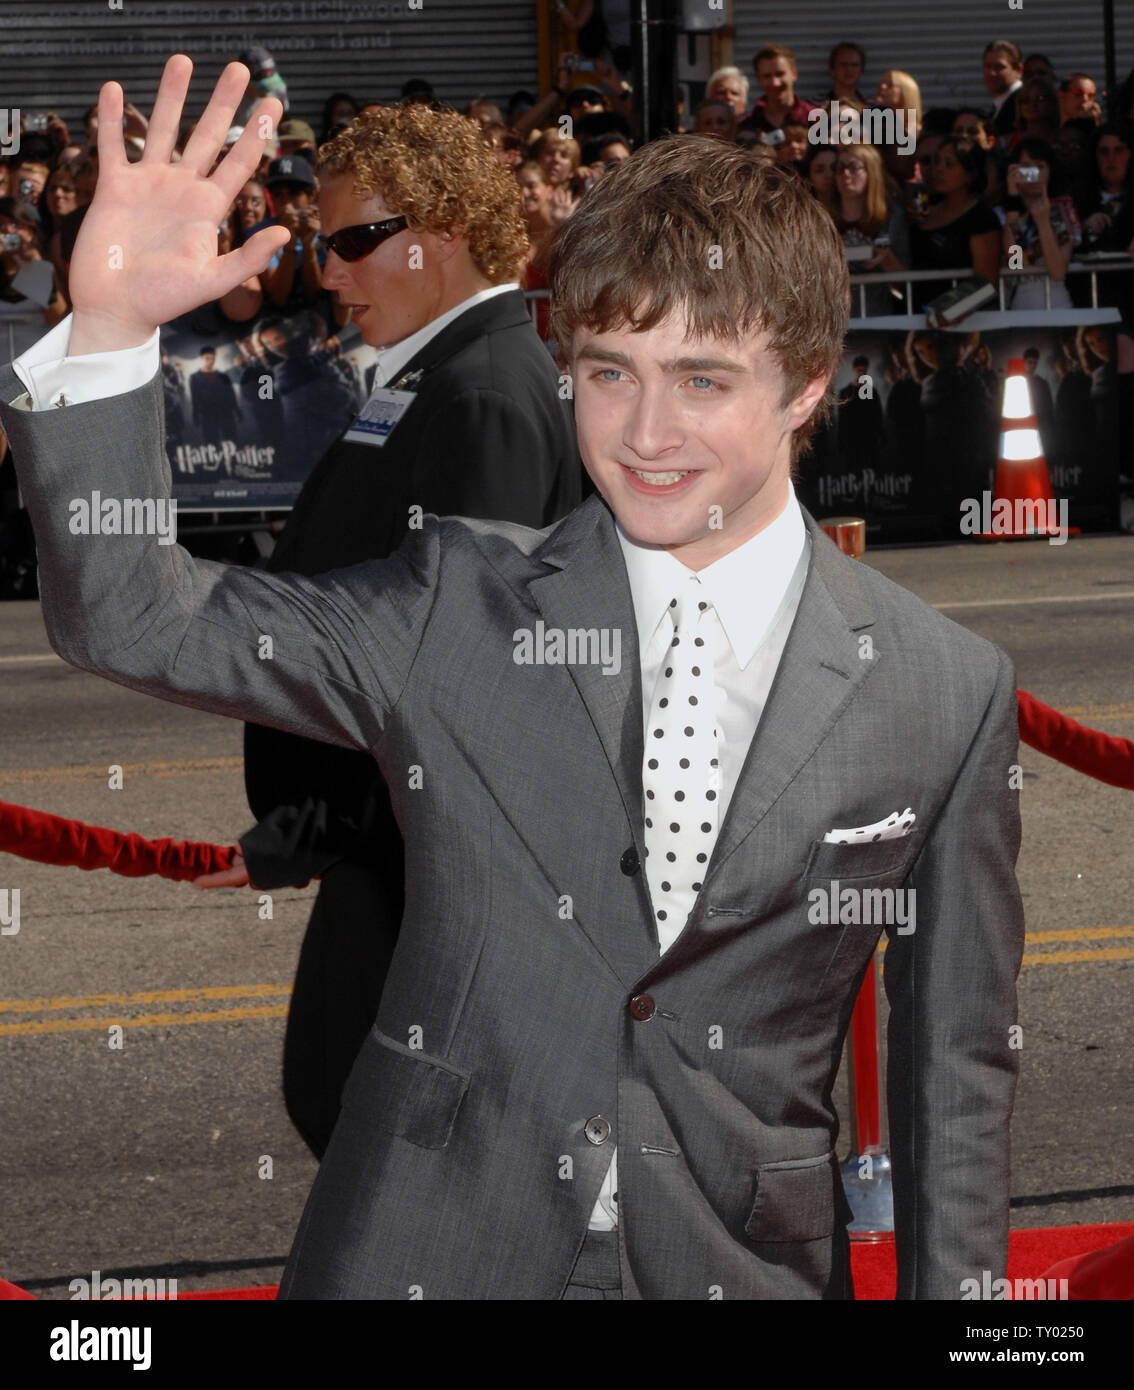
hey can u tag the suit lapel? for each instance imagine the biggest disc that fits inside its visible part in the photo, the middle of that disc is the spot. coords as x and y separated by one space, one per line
819 674
589 588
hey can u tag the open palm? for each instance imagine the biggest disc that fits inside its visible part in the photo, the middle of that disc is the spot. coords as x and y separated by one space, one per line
147 248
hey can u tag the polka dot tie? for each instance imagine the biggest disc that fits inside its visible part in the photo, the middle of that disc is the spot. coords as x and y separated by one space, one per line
681 770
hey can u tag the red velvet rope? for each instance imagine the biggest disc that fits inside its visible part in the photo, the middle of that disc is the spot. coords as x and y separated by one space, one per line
54 840
1097 754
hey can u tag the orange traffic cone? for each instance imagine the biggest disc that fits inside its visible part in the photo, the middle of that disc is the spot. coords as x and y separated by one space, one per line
1024 504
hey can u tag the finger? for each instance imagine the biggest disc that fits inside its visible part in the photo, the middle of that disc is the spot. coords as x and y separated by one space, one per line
252 258
208 138
165 119
240 163
111 144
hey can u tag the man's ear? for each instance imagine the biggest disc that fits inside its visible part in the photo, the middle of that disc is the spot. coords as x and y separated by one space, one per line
805 402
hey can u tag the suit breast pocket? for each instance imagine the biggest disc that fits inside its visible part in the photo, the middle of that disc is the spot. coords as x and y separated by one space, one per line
405 1092
877 859
795 1200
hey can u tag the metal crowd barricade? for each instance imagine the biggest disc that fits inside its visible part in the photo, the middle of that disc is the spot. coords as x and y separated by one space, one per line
910 278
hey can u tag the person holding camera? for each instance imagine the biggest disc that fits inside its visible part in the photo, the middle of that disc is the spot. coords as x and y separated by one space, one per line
1040 227
292 277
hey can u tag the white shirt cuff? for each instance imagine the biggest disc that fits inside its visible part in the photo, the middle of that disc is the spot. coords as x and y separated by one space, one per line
53 378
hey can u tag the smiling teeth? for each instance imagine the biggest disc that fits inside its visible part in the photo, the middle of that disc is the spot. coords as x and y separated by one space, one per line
659 479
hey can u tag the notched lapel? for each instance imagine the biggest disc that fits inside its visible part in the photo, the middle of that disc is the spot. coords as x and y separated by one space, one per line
819 674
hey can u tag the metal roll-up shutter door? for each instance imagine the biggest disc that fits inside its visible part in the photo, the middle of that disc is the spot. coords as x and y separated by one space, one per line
940 45
54 54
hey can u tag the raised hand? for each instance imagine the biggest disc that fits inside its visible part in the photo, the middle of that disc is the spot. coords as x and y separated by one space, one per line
147 249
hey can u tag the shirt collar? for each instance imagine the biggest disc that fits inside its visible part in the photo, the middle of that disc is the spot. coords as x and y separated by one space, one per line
1000 100
746 586
393 358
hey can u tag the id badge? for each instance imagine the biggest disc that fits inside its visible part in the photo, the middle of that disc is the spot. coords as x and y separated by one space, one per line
379 415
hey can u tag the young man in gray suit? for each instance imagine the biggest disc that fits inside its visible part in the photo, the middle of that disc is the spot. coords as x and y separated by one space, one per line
664 770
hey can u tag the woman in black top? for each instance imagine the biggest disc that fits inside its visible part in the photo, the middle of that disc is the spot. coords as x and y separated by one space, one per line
1105 199
959 230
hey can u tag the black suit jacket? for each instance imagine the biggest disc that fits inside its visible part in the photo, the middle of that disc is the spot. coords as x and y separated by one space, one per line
1004 122
489 437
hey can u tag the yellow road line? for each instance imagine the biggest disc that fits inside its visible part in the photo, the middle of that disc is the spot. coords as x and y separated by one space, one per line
148 996
72 1025
1076 957
1078 934
185 767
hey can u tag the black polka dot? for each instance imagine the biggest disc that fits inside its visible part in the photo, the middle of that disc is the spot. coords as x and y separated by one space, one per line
698 641
679 796
705 826
676 642
669 670
712 762
665 887
649 796
649 823
696 670
657 733
701 606
674 827
700 858
710 796
662 703
672 604
692 699
696 888
684 762
652 763
689 731
661 915
671 857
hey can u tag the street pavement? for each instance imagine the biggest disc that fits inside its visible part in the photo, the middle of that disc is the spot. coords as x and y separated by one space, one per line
172 1156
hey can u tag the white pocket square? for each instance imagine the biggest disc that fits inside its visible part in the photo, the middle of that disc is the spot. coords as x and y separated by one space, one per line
897 824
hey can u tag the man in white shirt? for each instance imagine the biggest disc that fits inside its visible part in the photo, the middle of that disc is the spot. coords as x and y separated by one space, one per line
650 764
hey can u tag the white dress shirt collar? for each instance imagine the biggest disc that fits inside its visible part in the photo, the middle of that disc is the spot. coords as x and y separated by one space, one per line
392 359
746 586
999 101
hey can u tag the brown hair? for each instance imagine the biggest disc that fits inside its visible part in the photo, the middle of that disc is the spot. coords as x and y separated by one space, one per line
640 247
774 50
436 169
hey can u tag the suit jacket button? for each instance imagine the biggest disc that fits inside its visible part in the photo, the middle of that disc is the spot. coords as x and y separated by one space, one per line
629 863
642 1007
597 1129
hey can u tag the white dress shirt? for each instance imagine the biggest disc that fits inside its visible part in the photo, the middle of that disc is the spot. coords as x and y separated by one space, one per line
755 592
999 101
48 373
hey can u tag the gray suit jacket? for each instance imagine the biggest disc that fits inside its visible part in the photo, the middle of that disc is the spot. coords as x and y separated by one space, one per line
460 1167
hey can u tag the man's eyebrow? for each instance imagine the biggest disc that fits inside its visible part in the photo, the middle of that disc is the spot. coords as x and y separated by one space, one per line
589 352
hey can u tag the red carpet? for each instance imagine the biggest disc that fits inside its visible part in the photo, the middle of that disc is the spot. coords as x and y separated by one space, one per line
1030 1255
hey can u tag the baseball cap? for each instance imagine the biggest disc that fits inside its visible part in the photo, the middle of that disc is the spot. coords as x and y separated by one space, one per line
290 168
295 130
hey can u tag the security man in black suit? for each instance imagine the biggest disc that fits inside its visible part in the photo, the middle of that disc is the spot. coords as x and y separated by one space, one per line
425 242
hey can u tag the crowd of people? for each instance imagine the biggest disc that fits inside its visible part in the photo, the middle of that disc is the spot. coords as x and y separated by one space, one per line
1025 178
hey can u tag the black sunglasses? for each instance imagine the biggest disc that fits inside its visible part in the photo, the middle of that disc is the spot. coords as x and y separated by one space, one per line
352 243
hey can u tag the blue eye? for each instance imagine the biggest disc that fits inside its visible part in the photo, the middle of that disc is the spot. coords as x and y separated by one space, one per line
711 384
608 372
